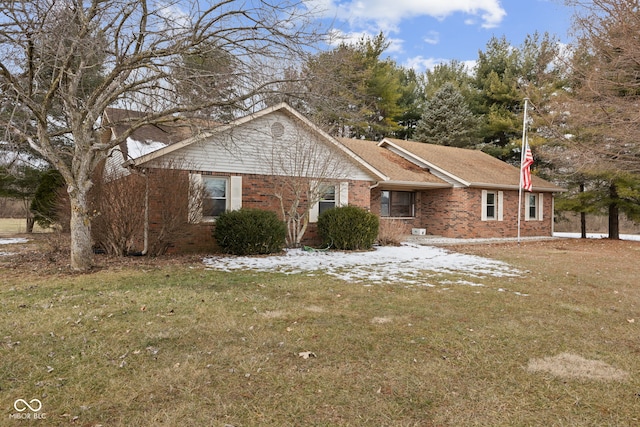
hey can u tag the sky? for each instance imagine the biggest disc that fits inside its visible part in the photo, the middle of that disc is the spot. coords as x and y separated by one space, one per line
424 33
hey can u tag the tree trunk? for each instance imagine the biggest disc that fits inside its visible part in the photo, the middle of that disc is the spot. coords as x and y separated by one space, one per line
614 223
583 218
30 222
81 246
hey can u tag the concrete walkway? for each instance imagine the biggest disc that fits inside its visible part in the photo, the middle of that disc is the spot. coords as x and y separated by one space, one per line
446 241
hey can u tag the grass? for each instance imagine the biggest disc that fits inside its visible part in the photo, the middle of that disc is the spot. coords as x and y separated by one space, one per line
160 343
17 225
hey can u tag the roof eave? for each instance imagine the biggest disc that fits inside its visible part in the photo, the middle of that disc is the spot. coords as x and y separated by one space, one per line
456 180
413 184
516 187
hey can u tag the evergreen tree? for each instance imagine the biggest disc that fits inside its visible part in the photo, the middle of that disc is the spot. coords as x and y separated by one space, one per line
410 103
19 182
352 92
45 199
447 119
505 75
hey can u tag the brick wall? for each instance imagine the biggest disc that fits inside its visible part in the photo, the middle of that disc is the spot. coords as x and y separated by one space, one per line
449 212
457 213
257 193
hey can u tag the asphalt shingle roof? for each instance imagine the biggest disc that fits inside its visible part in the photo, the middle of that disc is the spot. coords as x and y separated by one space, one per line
390 164
473 167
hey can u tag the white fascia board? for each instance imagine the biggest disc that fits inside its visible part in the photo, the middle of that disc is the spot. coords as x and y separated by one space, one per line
413 184
516 187
439 172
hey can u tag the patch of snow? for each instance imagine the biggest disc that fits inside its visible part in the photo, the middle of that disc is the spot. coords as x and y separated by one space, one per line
13 240
137 149
407 264
596 236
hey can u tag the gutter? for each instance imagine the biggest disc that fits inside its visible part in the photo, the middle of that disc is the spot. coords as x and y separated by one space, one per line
516 187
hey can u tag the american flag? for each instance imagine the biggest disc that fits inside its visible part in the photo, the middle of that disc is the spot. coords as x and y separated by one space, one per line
525 169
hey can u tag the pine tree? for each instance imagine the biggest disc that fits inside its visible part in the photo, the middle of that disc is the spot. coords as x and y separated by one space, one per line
447 119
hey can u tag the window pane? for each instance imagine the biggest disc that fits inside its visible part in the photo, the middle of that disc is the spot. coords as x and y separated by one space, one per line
328 199
213 207
491 205
532 206
324 206
214 201
215 187
401 203
384 204
329 193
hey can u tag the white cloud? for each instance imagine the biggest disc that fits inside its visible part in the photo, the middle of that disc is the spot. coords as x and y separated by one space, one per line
337 37
387 15
421 64
432 38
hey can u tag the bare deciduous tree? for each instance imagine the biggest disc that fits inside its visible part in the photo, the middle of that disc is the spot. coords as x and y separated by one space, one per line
606 75
601 158
63 62
303 168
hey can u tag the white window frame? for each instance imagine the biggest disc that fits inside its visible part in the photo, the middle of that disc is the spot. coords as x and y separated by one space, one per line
233 195
498 203
341 198
539 206
413 196
325 203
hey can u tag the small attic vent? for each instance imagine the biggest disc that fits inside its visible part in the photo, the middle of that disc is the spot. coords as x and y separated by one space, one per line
277 130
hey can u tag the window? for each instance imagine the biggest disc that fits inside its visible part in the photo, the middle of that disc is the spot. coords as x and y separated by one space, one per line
213 195
328 199
331 196
397 203
492 205
214 200
533 207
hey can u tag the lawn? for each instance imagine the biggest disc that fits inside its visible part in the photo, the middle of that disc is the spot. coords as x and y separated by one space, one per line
143 342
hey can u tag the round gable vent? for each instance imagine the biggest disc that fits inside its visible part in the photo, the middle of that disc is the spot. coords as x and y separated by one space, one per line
277 130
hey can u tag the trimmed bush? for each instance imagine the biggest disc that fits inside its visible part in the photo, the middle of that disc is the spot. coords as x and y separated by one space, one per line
250 232
348 228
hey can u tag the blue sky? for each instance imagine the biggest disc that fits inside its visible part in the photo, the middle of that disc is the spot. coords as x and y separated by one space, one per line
426 32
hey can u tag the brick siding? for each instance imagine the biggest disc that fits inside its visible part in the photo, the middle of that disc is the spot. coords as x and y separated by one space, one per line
457 213
449 212
257 192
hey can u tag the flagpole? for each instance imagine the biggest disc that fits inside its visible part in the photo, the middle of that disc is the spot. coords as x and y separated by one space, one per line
524 138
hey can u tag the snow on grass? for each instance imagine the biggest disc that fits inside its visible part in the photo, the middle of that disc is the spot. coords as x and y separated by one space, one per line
13 240
595 236
408 264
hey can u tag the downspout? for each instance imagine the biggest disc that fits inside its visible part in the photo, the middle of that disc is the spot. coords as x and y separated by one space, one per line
145 231
145 225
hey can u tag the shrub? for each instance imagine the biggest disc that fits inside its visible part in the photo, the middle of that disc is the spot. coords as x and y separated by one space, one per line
392 232
250 232
348 228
